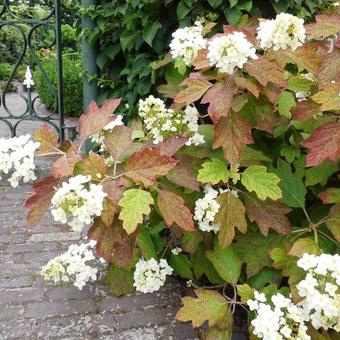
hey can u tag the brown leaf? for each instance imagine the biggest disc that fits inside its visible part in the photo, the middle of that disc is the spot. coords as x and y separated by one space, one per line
48 139
330 68
145 165
324 144
171 145
173 210
196 85
115 188
110 209
96 117
232 133
265 71
201 62
272 92
231 215
39 202
92 165
64 166
248 84
306 109
325 26
333 224
329 97
268 214
219 97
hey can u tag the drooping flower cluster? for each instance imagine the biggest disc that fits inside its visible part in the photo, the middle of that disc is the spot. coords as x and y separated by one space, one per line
286 31
186 42
17 156
77 202
205 210
72 266
321 290
279 319
162 123
230 51
150 276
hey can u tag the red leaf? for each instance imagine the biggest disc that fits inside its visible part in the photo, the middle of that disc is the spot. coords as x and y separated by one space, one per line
145 165
171 145
115 188
219 97
64 166
173 210
232 133
39 202
325 26
97 117
306 109
330 68
48 139
324 144
268 214
265 71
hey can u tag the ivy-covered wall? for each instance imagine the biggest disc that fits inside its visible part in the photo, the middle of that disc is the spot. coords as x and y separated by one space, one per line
134 34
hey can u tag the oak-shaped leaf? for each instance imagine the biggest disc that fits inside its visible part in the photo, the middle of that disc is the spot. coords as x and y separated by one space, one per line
135 203
39 202
195 87
115 187
64 166
48 139
171 145
264 184
325 26
330 68
268 214
110 210
324 143
209 306
265 71
248 84
232 133
219 97
213 171
97 117
333 222
145 165
174 210
328 98
230 215
92 165
306 109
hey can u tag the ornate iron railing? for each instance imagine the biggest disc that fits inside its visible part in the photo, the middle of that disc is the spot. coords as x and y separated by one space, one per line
28 29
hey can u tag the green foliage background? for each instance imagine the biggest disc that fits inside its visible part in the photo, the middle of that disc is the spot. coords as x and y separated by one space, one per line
133 34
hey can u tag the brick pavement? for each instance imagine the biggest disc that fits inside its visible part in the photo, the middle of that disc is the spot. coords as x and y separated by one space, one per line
33 309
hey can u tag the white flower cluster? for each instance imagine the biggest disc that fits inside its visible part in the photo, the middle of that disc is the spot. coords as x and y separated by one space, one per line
176 251
321 290
205 210
17 155
186 42
72 264
150 275
286 31
279 320
230 51
162 123
77 202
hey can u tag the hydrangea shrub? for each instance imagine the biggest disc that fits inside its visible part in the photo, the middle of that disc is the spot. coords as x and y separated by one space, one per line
233 186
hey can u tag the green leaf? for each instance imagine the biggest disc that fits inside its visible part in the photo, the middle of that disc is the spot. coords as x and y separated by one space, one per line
120 280
264 184
233 15
180 66
209 306
127 40
297 84
304 245
245 292
226 262
286 103
233 2
150 32
265 276
213 172
293 189
182 10
245 5
331 195
290 153
145 244
135 203
181 264
320 174
92 165
214 333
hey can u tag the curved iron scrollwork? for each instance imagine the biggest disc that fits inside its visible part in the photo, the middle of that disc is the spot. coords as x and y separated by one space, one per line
28 56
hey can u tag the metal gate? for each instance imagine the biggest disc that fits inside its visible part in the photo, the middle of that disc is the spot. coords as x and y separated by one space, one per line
28 28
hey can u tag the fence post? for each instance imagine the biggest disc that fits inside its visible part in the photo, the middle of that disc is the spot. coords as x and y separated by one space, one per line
90 88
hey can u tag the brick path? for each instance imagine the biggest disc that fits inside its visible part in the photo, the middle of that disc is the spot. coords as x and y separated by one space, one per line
33 309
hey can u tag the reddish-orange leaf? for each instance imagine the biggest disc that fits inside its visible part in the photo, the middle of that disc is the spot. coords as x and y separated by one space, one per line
145 165
232 133
115 188
219 97
272 92
173 210
39 202
268 214
64 166
171 145
195 87
265 71
306 109
324 144
248 84
325 26
48 139
97 117
201 62
250 33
